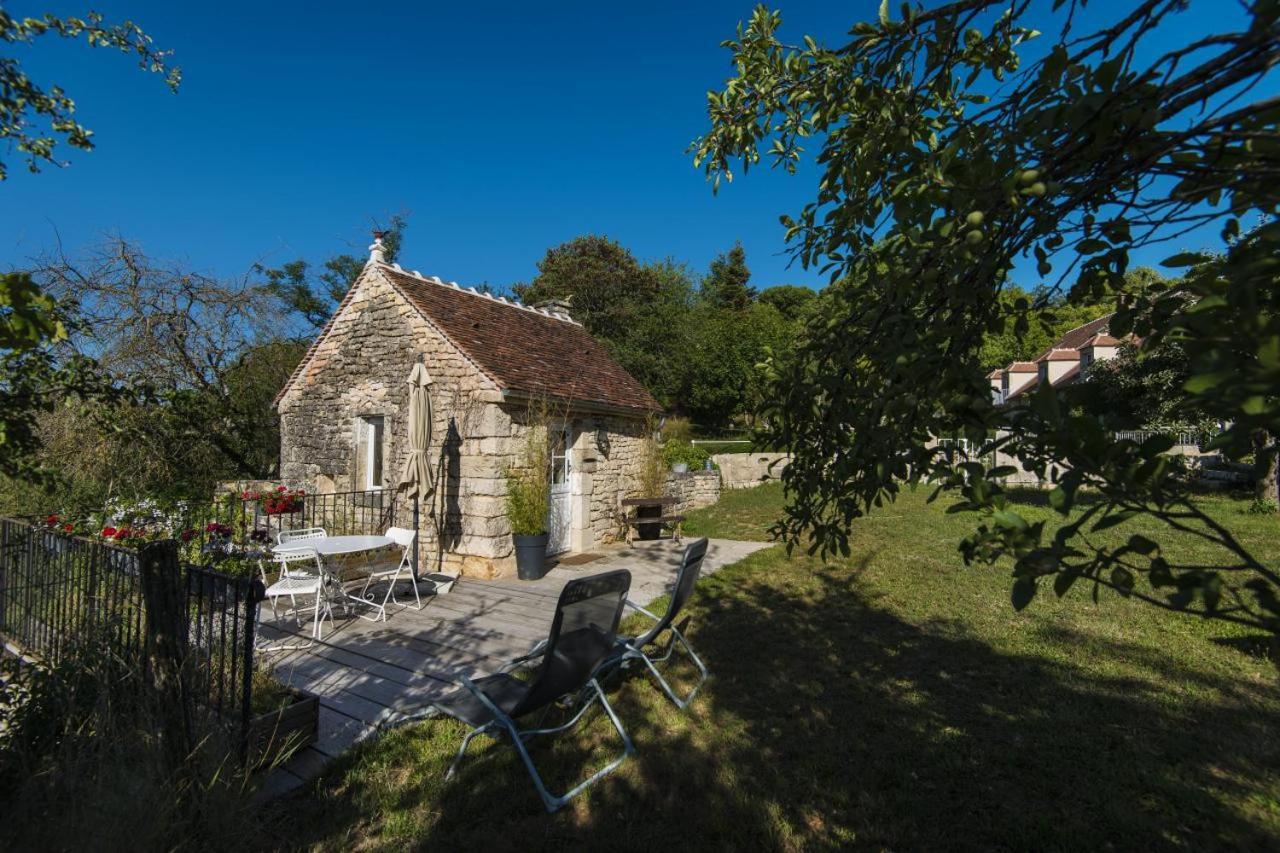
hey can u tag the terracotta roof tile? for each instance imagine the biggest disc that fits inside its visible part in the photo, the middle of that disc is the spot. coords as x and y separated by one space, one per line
523 349
1101 340
1057 354
1022 367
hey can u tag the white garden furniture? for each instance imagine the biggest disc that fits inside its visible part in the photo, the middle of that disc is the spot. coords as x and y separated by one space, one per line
404 538
301 574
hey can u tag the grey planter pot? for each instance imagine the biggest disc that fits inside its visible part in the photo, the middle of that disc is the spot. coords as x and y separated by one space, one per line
680 468
531 556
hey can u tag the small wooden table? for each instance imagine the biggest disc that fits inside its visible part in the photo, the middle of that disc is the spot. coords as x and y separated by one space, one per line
662 517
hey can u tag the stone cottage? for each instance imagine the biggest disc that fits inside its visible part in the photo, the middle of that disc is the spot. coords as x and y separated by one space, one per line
493 361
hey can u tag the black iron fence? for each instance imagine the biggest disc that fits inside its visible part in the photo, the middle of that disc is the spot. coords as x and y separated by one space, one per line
56 590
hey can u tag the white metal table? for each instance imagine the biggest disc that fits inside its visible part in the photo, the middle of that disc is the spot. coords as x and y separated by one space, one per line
336 546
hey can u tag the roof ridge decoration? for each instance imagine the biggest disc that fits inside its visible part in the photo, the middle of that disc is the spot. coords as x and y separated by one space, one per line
513 303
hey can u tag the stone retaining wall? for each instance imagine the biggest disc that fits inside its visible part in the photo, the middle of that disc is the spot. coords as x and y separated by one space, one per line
744 470
693 489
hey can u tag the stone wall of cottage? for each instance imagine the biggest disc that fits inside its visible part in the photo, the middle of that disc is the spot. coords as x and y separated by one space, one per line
361 369
693 489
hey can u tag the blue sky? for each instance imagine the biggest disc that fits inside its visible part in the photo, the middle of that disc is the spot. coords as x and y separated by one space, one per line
499 130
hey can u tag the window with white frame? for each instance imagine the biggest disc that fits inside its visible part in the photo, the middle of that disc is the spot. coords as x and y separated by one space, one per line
369 440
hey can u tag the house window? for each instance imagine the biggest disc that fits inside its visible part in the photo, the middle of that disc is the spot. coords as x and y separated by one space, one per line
560 456
369 437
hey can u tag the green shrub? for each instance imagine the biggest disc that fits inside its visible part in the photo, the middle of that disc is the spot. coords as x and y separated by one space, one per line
1262 507
693 455
83 763
528 483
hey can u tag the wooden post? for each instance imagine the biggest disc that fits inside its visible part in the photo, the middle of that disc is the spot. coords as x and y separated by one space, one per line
164 598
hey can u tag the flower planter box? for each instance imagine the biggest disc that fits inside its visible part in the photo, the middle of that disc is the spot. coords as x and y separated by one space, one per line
277 733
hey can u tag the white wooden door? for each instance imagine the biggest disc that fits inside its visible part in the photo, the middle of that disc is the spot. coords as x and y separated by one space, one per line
560 515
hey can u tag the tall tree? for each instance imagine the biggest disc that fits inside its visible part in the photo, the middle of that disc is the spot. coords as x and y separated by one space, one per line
205 352
791 300
34 378
313 296
725 285
944 157
636 309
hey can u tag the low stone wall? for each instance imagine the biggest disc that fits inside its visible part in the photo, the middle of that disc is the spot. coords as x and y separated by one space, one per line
693 489
744 470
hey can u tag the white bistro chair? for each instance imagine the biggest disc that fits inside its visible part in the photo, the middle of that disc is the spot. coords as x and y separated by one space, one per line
301 574
300 533
404 538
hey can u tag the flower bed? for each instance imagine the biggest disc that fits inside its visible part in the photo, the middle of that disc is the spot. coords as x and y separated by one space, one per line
278 501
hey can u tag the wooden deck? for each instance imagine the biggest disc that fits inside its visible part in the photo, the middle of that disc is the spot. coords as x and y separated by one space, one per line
374 675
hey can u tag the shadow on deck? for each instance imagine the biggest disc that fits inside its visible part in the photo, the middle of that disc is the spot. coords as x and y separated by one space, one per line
373 675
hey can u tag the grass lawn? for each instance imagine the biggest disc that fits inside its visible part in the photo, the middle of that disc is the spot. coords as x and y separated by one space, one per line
893 700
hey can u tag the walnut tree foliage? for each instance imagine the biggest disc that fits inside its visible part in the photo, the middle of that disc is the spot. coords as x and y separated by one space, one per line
33 116
35 379
952 141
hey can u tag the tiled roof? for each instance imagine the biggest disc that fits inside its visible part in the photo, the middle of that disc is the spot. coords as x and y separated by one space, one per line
525 349
1022 367
520 348
1060 355
1101 340
1077 337
995 374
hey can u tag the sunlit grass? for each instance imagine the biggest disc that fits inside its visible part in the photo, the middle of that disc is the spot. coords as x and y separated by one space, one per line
890 700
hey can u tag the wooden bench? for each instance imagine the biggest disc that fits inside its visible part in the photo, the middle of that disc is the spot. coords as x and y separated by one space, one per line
664 518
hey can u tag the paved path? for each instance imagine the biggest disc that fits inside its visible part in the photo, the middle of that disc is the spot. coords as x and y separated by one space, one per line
371 676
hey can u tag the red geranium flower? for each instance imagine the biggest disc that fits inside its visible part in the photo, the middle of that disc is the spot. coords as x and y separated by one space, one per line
188 535
51 520
68 527
122 533
108 532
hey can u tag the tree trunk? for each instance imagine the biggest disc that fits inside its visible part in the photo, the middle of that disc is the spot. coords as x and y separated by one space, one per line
1264 467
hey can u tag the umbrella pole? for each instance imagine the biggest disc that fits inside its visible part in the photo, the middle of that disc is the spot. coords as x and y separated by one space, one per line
417 535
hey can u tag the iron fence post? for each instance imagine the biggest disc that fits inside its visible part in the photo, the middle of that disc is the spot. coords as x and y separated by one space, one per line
4 564
255 593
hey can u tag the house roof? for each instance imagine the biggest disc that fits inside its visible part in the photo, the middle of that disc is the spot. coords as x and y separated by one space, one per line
1060 355
1022 367
1077 337
1101 340
995 374
522 349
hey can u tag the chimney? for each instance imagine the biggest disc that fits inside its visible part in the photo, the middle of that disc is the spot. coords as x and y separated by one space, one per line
377 251
555 306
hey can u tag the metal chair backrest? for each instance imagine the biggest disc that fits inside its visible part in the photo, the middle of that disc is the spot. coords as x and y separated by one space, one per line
288 558
299 534
583 632
401 536
690 568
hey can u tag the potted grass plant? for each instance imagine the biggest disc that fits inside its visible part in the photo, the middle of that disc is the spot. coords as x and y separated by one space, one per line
528 501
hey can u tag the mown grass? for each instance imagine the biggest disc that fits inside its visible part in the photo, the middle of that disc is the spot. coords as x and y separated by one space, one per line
892 700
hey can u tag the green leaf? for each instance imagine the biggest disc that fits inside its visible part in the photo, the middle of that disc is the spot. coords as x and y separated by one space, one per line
1184 259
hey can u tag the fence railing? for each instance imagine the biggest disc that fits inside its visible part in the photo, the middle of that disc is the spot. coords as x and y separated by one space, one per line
57 590
1179 438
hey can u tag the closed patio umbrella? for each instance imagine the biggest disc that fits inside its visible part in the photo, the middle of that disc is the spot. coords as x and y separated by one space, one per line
416 480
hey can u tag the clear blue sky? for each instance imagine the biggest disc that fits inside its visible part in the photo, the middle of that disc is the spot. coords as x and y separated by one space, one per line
499 130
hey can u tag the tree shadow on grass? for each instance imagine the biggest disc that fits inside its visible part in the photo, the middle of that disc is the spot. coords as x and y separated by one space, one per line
830 722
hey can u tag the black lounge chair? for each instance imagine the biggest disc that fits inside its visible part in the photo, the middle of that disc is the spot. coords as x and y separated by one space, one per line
583 633
634 648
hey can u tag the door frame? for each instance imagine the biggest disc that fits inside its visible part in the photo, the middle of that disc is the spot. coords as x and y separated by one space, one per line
561 437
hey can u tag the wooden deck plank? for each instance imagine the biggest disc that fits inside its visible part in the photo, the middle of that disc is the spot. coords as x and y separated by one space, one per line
373 675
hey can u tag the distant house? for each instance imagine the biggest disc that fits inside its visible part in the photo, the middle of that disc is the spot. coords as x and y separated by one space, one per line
343 412
1061 364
